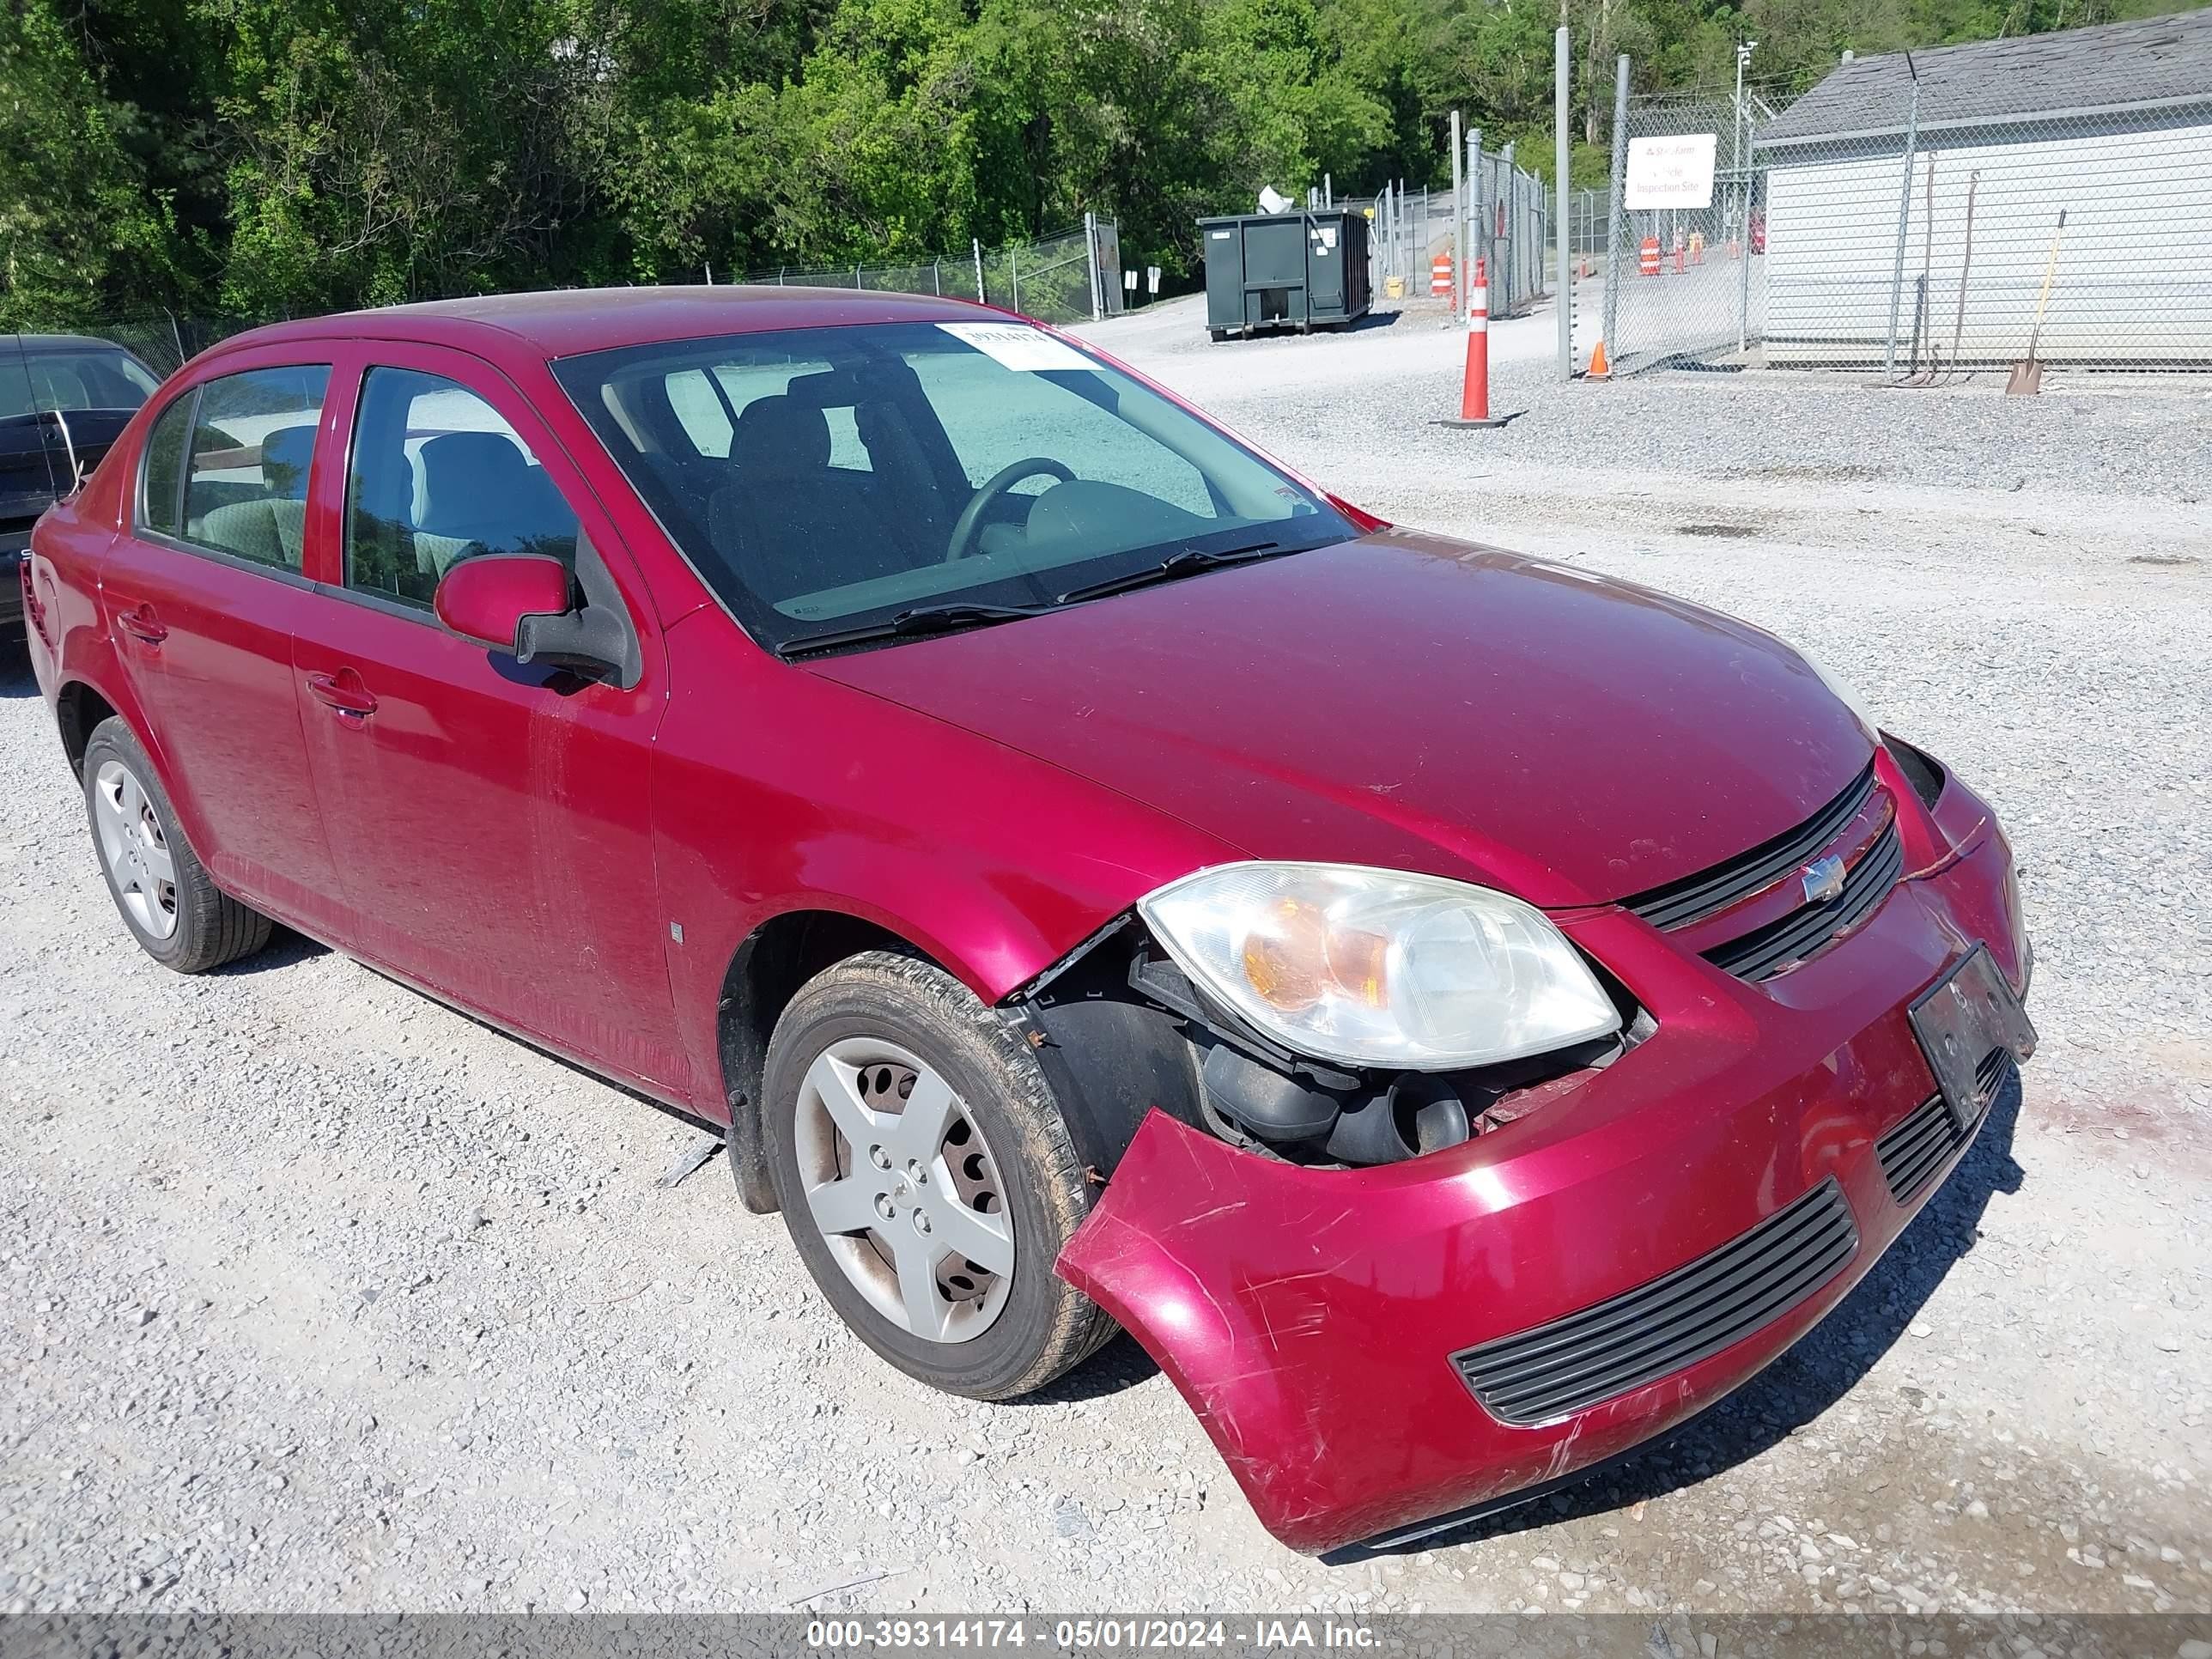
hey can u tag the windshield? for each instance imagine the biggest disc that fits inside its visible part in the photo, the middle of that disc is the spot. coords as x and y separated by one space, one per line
823 480
41 377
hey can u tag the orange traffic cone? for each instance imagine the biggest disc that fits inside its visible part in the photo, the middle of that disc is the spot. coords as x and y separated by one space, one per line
1474 385
1599 368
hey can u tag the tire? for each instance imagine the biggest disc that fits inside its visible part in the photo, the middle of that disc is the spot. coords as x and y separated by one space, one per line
924 1028
125 800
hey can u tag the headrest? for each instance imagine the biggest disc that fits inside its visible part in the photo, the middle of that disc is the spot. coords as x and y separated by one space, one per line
465 472
779 437
284 456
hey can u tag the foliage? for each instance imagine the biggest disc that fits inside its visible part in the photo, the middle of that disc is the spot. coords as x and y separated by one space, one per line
272 155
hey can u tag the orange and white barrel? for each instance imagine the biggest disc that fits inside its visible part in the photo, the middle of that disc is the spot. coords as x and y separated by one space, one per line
1440 275
1647 258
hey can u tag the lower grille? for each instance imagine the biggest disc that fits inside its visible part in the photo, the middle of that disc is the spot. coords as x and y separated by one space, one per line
1766 951
1912 1150
1688 1315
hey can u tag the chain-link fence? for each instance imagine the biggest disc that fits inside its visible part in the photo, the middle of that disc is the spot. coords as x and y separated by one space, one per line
1509 212
1682 281
1406 230
1502 214
1069 278
1918 218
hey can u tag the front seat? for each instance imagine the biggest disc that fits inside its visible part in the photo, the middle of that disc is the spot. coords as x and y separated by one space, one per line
793 524
478 488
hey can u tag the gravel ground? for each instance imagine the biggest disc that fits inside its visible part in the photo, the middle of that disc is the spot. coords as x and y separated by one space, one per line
320 1297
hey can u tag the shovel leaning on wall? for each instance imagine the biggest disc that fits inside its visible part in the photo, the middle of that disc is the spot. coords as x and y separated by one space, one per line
2027 375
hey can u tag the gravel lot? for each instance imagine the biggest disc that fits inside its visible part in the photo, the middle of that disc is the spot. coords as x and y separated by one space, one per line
320 1297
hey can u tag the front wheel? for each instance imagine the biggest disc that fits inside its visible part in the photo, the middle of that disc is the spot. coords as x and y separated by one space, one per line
926 1177
178 915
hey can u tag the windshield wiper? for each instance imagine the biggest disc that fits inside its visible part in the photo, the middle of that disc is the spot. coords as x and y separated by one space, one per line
922 619
1188 562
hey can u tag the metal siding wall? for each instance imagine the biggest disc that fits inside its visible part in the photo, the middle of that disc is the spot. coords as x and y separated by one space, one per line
2134 263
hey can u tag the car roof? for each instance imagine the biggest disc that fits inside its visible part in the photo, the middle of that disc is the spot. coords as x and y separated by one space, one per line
34 343
565 322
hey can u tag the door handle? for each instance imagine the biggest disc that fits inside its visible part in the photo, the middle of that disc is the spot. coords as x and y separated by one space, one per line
344 692
142 624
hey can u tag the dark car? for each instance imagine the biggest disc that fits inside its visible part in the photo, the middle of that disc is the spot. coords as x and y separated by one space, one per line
1462 1014
64 398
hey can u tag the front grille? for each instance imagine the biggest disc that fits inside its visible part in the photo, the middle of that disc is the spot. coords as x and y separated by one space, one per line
1766 951
1672 1322
1679 903
1912 1150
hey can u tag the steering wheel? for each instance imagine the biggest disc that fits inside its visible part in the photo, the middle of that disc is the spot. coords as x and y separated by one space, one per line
971 516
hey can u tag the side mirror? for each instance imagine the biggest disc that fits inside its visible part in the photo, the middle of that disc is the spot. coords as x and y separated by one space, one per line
489 599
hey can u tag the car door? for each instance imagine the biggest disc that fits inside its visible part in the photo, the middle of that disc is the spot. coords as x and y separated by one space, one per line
200 594
490 822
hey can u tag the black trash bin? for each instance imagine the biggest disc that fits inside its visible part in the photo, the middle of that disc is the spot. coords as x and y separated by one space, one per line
1302 271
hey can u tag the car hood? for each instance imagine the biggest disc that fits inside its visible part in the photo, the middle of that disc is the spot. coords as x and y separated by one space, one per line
1413 702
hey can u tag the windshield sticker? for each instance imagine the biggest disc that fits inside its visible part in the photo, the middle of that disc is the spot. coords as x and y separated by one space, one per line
1016 347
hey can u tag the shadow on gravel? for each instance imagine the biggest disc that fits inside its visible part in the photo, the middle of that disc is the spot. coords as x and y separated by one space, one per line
285 948
1120 1365
15 676
1373 320
1809 1378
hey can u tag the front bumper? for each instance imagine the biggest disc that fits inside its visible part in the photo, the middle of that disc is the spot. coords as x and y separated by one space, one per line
1310 1316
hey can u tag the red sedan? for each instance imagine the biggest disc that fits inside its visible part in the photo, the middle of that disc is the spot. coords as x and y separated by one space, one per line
1461 1015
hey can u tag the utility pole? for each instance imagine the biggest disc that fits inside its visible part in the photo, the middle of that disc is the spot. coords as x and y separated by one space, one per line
1564 296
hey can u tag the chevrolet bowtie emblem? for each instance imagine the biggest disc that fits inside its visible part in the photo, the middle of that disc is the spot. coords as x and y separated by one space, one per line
1824 880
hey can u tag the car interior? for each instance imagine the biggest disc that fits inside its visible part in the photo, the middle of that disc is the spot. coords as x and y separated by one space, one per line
426 491
881 474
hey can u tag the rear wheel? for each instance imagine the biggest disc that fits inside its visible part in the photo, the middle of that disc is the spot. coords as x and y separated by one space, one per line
926 1177
175 912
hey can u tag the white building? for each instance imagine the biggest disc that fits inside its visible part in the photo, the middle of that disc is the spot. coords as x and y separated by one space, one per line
2112 125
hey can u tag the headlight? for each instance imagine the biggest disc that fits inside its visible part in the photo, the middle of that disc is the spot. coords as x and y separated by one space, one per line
1376 968
1844 694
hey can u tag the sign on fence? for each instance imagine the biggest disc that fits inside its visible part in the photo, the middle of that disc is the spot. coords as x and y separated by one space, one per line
1675 171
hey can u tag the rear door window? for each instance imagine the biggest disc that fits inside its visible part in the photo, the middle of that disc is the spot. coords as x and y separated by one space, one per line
245 483
438 476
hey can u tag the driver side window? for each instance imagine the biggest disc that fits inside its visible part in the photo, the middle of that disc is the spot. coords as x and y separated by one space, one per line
438 475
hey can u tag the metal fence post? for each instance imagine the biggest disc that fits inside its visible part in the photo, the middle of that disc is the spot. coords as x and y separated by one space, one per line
1511 218
1459 254
1904 222
975 247
1564 300
1743 273
1091 257
1615 240
1478 220
1014 272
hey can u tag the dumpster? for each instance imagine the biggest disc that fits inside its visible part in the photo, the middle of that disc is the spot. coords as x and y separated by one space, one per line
1302 271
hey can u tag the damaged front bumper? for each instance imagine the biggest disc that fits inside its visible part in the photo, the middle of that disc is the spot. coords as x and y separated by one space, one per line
1328 1325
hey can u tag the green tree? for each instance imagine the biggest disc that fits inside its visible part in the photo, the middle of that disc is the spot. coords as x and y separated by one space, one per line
79 230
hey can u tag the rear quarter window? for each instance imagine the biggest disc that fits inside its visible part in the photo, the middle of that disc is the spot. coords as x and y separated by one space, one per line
160 503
